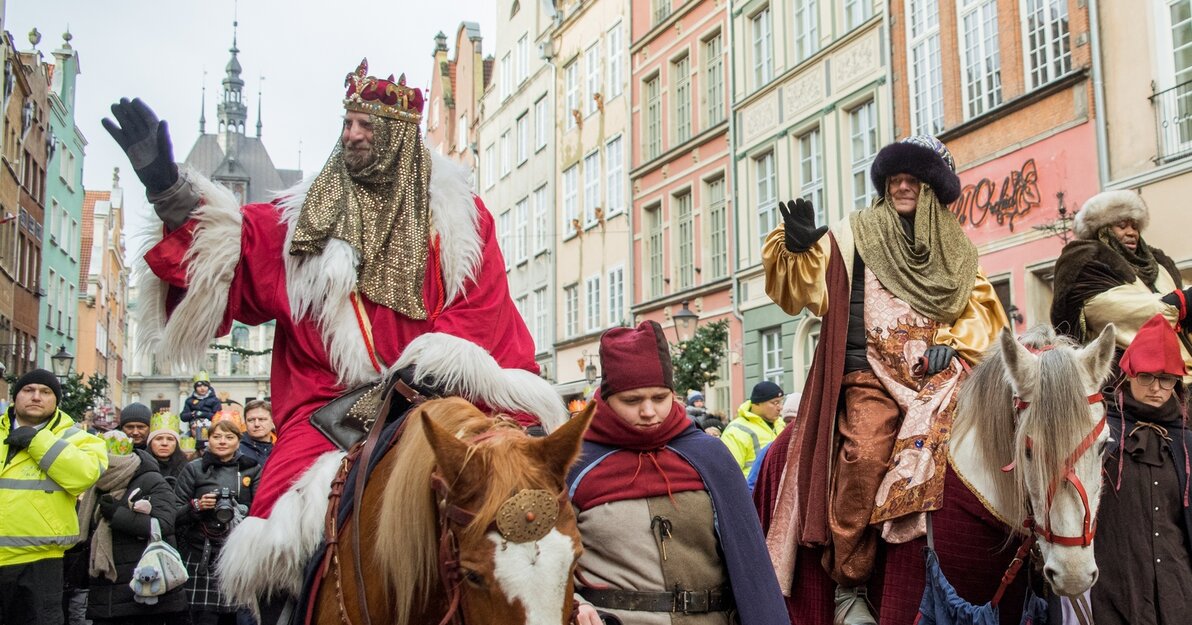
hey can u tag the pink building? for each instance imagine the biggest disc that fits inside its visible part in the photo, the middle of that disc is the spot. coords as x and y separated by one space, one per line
452 111
680 173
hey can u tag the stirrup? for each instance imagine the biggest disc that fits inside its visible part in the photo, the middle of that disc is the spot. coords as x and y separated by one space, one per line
853 607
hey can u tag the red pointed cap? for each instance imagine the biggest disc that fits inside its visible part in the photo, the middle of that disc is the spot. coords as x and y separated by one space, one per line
1155 349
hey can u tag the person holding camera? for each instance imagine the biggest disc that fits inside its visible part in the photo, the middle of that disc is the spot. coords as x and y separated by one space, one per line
214 493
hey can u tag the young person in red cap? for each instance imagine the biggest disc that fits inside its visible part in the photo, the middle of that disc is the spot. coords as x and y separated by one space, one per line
669 533
1144 524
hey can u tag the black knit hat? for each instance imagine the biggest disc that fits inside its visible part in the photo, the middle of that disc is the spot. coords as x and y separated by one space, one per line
135 413
923 157
39 376
764 391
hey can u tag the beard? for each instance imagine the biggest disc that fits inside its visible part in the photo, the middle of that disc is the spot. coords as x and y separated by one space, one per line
355 159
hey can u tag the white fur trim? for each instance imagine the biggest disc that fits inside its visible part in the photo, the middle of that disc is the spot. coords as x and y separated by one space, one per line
469 370
268 557
181 339
318 286
1110 207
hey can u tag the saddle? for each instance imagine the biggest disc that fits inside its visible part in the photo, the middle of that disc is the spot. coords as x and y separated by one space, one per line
347 419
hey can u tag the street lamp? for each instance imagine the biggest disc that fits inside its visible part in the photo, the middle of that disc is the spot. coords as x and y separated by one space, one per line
685 322
62 362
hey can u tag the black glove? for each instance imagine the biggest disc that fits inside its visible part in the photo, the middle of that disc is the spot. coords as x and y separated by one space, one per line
798 219
939 357
21 437
1173 298
107 506
146 141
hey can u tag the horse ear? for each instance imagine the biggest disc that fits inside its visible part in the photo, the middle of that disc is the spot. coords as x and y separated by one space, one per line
1018 359
1098 355
450 452
561 448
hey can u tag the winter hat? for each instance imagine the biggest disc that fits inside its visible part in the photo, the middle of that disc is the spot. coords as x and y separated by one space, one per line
790 407
635 358
764 391
1155 349
922 156
134 413
39 376
1107 208
694 397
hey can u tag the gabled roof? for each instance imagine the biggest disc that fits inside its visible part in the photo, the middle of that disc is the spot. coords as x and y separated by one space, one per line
88 237
233 156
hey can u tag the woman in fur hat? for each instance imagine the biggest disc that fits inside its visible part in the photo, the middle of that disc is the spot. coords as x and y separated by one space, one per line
1108 274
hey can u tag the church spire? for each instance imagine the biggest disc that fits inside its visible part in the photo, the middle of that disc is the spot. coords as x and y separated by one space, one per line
259 82
203 107
233 113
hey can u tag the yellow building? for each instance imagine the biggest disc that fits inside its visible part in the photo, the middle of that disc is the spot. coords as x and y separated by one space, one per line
103 279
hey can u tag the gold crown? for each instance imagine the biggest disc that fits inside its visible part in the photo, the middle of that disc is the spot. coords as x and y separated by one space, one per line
384 97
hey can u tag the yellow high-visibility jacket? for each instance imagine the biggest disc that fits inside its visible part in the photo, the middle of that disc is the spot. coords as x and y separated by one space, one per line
746 435
40 485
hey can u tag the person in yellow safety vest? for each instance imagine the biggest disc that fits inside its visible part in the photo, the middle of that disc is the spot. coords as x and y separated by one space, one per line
756 425
47 461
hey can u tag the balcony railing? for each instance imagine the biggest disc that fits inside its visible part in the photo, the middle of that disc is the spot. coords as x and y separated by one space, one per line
1173 122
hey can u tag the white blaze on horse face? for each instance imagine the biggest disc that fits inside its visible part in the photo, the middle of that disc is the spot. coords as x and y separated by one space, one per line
535 574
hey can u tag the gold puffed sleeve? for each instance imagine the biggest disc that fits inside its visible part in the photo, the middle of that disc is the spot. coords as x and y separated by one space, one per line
978 326
796 280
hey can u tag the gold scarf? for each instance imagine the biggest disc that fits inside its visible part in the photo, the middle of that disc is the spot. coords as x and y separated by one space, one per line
935 271
382 211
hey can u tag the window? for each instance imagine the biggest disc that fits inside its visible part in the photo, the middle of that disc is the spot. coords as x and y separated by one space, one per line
592 67
506 154
661 10
490 165
863 123
504 232
67 166
461 134
653 126
592 311
542 211
717 230
541 123
523 308
926 79
654 248
767 193
856 12
51 300
521 229
681 79
63 303
616 61
571 311
523 59
809 346
685 243
771 341
1048 54
811 172
614 157
570 199
982 67
539 328
506 76
714 79
571 87
616 296
523 138
592 180
806 29
763 52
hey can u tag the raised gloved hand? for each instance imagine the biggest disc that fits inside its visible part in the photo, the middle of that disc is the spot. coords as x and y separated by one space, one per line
107 506
1183 304
146 141
798 220
21 437
938 357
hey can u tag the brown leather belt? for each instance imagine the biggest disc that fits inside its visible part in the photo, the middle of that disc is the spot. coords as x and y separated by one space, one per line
678 601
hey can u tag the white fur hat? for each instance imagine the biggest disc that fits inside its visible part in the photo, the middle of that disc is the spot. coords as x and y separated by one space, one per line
1110 207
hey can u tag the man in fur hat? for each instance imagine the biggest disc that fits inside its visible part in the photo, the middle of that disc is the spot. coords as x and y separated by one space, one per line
1108 274
903 303
382 260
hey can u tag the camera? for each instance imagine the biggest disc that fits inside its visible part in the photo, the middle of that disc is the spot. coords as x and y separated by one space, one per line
225 507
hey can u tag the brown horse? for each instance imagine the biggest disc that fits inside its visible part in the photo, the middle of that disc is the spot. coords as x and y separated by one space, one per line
494 539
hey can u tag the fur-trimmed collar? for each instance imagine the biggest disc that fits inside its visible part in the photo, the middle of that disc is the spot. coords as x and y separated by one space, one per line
1110 207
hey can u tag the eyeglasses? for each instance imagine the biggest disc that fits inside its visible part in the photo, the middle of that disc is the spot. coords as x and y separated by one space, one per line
1166 382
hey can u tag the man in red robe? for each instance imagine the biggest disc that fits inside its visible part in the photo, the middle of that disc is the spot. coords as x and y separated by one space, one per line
382 260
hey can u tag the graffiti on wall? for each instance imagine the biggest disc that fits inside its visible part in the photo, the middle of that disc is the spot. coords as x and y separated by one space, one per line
1017 194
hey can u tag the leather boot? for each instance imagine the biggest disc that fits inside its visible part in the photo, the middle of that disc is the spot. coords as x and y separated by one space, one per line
853 607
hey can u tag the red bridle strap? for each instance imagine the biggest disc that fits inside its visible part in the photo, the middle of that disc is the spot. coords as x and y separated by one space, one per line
1090 524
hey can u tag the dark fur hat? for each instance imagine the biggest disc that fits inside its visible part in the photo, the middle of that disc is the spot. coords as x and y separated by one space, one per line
923 157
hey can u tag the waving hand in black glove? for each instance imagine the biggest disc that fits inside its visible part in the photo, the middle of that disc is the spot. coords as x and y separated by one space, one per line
146 141
798 220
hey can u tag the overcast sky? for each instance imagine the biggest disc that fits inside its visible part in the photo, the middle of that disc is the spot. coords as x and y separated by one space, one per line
159 49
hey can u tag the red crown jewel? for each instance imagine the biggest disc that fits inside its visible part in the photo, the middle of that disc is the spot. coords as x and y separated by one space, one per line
387 98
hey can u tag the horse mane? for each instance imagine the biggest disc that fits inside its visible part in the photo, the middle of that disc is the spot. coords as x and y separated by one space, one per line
407 538
985 405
